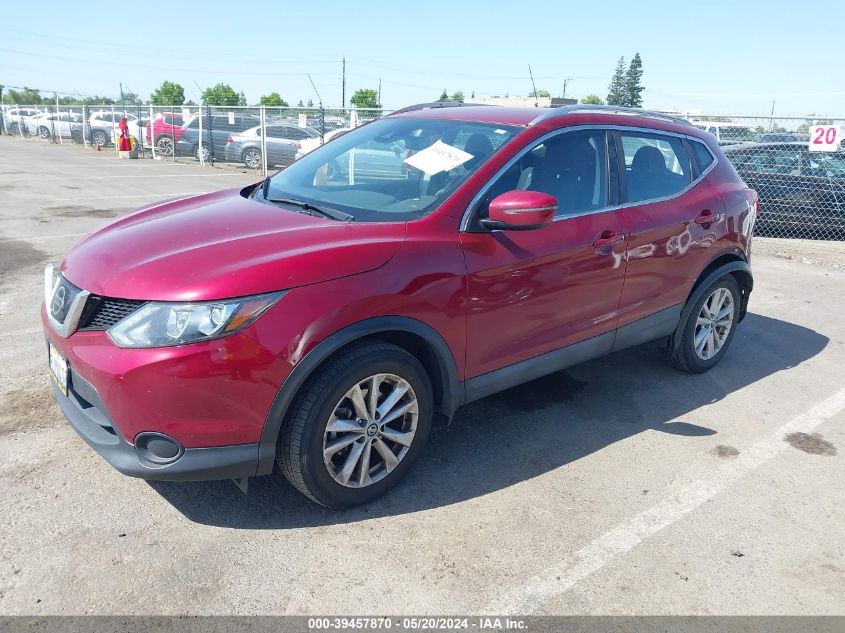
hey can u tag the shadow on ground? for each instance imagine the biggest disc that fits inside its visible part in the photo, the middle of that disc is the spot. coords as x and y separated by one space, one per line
526 431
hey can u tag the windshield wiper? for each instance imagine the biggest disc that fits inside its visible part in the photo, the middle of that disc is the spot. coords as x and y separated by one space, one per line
313 209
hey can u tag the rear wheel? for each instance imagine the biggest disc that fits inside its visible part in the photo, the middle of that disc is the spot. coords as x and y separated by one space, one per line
203 154
252 158
98 137
44 132
709 327
357 426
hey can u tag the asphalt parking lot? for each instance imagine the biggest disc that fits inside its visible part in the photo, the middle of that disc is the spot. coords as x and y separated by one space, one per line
616 487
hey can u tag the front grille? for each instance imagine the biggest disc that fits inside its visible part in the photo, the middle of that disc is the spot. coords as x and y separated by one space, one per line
101 313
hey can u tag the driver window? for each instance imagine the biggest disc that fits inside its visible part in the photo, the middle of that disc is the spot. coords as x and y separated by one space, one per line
571 166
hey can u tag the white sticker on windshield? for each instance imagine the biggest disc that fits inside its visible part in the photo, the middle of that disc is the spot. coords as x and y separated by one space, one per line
438 157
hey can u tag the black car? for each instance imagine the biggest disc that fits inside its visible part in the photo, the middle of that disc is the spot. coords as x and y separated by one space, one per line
785 137
216 130
802 193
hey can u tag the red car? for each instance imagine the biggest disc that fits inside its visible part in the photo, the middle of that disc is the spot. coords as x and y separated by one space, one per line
166 130
321 320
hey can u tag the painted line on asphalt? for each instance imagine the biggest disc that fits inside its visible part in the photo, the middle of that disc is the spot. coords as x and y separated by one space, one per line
148 176
527 597
174 194
26 332
35 238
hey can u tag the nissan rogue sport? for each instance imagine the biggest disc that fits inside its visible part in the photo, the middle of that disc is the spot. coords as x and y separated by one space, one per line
322 319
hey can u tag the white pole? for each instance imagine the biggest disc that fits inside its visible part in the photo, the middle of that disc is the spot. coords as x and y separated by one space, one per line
202 162
114 133
59 114
264 140
153 134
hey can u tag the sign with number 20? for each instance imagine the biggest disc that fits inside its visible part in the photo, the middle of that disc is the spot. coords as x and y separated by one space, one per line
825 138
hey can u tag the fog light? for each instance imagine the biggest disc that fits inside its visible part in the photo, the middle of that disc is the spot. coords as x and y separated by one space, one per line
157 448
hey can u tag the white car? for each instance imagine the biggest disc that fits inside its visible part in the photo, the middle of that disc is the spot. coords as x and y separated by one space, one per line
105 125
728 133
310 144
17 119
58 124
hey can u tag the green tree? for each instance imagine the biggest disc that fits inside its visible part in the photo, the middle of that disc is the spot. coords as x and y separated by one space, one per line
592 100
26 96
804 128
241 99
616 89
633 83
130 99
273 99
365 98
444 96
457 96
544 93
310 103
220 95
168 93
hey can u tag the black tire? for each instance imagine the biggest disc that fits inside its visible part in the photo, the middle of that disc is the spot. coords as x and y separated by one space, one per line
252 158
300 449
99 137
44 132
684 356
203 155
164 145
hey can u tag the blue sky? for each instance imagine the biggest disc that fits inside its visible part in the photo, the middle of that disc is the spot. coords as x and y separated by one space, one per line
732 57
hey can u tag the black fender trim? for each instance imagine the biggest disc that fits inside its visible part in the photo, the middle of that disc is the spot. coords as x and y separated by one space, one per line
452 389
701 286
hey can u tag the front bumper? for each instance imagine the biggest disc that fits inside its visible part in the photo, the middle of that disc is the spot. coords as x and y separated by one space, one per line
88 416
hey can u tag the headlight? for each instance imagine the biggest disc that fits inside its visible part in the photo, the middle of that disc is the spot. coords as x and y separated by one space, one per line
165 324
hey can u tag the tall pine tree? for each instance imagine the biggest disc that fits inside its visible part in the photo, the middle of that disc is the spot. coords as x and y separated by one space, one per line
633 87
616 90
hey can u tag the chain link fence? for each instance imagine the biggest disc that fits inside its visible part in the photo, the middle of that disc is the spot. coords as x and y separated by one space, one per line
802 192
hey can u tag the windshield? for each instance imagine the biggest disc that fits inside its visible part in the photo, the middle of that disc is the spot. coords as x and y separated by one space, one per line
393 169
738 133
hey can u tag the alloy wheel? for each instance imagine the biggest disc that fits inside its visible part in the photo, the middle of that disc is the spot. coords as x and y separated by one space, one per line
713 324
370 430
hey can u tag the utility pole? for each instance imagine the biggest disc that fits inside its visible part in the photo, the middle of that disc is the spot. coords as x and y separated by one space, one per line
343 90
565 82
533 85
772 120
122 101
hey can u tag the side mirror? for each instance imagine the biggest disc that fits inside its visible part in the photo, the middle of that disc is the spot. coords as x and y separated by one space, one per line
520 211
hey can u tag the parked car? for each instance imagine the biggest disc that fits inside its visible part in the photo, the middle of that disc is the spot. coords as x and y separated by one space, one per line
802 193
15 120
727 133
785 137
104 125
215 134
281 144
55 125
166 130
310 144
323 322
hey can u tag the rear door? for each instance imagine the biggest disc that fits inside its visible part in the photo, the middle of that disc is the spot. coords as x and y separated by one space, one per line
534 292
666 247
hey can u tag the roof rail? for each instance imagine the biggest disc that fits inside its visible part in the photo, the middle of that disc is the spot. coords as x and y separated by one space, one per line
435 104
608 109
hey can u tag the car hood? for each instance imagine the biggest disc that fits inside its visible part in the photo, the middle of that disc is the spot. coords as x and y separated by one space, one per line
221 245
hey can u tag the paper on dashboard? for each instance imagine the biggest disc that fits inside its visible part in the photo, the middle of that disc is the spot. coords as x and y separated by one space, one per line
438 157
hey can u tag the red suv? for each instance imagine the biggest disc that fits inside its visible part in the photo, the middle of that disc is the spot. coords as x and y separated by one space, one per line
323 319
166 130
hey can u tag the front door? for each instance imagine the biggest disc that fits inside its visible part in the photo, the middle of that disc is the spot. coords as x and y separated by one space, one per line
532 292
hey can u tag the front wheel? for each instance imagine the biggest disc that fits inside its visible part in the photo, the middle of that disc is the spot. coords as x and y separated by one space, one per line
164 145
357 426
98 137
203 154
44 132
708 329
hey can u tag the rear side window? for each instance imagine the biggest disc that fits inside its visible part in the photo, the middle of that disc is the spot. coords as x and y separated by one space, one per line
656 165
703 157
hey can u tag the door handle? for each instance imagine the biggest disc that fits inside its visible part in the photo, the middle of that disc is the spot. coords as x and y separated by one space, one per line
608 238
707 217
